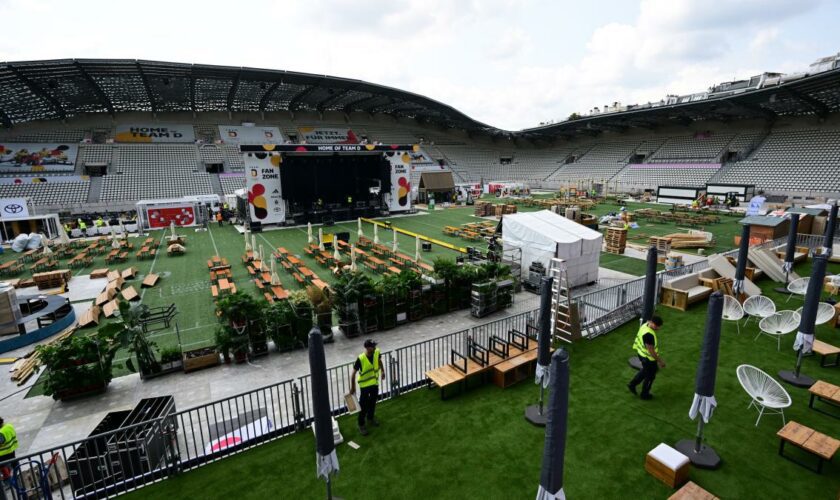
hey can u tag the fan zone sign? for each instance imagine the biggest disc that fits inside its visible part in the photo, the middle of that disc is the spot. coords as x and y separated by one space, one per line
265 194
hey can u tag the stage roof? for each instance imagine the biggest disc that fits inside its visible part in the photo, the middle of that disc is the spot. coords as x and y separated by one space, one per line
58 89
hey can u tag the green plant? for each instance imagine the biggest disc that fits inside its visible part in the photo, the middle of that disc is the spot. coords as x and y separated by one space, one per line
170 354
322 306
78 363
277 322
129 334
239 309
223 340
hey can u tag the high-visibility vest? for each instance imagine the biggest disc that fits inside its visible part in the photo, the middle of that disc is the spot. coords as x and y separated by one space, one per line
10 442
639 343
369 374
82 226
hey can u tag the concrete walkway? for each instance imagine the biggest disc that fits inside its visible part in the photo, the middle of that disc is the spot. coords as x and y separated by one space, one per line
42 422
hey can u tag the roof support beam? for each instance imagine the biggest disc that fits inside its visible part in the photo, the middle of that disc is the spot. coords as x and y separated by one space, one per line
147 87
96 88
818 106
267 96
232 92
352 105
321 106
192 92
294 103
37 90
752 108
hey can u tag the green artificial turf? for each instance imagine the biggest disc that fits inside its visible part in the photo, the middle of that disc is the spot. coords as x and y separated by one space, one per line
477 445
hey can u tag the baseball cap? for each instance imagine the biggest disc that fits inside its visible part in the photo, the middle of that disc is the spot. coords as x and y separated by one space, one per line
370 343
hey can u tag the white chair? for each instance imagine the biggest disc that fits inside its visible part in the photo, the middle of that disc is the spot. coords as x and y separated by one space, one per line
798 287
732 311
759 306
833 283
825 313
766 395
778 324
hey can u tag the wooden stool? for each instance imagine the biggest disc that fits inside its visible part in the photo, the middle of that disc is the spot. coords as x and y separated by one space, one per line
668 465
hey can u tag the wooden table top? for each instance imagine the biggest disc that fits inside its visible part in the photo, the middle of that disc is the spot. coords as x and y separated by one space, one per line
306 271
224 284
294 260
825 390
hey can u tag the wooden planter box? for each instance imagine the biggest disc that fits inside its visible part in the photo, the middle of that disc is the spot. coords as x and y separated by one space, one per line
200 358
80 392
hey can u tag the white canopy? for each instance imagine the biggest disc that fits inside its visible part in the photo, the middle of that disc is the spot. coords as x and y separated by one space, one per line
544 234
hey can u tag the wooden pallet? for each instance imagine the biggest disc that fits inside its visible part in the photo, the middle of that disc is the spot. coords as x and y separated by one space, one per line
29 363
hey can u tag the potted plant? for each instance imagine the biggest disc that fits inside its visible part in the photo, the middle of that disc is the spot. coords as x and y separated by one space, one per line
201 357
277 319
322 307
347 295
223 342
78 365
302 315
129 334
171 359
241 312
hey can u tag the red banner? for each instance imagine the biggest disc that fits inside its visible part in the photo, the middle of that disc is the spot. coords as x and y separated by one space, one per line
163 217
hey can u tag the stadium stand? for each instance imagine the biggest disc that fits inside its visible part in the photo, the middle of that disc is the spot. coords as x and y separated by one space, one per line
48 135
792 160
48 193
600 161
701 147
230 183
97 153
646 175
127 187
211 153
233 158
155 159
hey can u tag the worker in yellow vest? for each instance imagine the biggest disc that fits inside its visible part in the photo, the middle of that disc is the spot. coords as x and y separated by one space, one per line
82 225
369 368
647 349
8 445
99 222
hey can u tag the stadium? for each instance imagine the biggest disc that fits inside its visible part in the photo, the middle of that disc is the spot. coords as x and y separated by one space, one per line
181 240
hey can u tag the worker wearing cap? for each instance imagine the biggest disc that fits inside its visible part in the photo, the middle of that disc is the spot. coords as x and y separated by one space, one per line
8 445
369 368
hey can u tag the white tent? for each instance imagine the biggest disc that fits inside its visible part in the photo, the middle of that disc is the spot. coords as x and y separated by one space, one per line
544 234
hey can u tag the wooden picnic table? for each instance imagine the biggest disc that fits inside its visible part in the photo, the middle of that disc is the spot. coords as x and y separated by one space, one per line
294 260
279 292
376 260
224 284
266 277
394 270
319 284
306 271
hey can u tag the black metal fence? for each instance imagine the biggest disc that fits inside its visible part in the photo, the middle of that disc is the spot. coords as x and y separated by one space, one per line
121 459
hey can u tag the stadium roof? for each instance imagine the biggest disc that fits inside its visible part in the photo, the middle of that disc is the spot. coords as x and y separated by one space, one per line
58 89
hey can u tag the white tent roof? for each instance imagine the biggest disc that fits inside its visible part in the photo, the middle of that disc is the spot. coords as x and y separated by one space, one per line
591 239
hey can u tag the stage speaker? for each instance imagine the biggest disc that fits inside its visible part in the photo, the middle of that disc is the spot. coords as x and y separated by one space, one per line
256 226
427 246
345 237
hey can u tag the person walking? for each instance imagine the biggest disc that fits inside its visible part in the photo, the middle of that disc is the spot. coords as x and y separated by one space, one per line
8 445
647 349
369 368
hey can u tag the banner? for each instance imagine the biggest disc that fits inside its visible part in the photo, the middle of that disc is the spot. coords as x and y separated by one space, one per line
164 216
236 134
13 208
399 198
155 133
313 135
41 180
262 180
38 157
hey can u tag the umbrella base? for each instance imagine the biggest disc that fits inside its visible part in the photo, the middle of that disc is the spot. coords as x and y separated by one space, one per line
706 458
783 290
802 380
533 415
634 363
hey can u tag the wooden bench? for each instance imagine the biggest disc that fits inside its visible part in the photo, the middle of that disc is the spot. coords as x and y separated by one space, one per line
111 308
456 373
690 491
268 297
99 273
130 294
149 281
259 283
825 351
816 443
89 317
214 291
299 279
827 393
129 273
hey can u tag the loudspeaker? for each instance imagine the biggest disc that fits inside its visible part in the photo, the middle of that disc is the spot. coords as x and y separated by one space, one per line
345 237
427 246
256 226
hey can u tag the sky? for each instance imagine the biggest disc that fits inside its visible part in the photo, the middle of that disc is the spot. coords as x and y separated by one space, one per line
507 63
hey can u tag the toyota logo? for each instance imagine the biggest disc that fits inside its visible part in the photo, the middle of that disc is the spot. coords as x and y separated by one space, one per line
13 208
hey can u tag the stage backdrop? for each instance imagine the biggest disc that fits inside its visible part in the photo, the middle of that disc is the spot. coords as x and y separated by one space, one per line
262 181
163 217
37 157
155 133
315 135
237 134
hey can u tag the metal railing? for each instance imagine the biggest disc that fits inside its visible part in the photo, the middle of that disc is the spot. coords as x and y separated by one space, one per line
116 461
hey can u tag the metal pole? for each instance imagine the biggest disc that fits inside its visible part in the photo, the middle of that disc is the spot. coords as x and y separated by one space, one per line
542 389
798 362
699 443
329 487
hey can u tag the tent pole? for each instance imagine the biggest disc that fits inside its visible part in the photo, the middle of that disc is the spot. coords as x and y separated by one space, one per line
542 390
